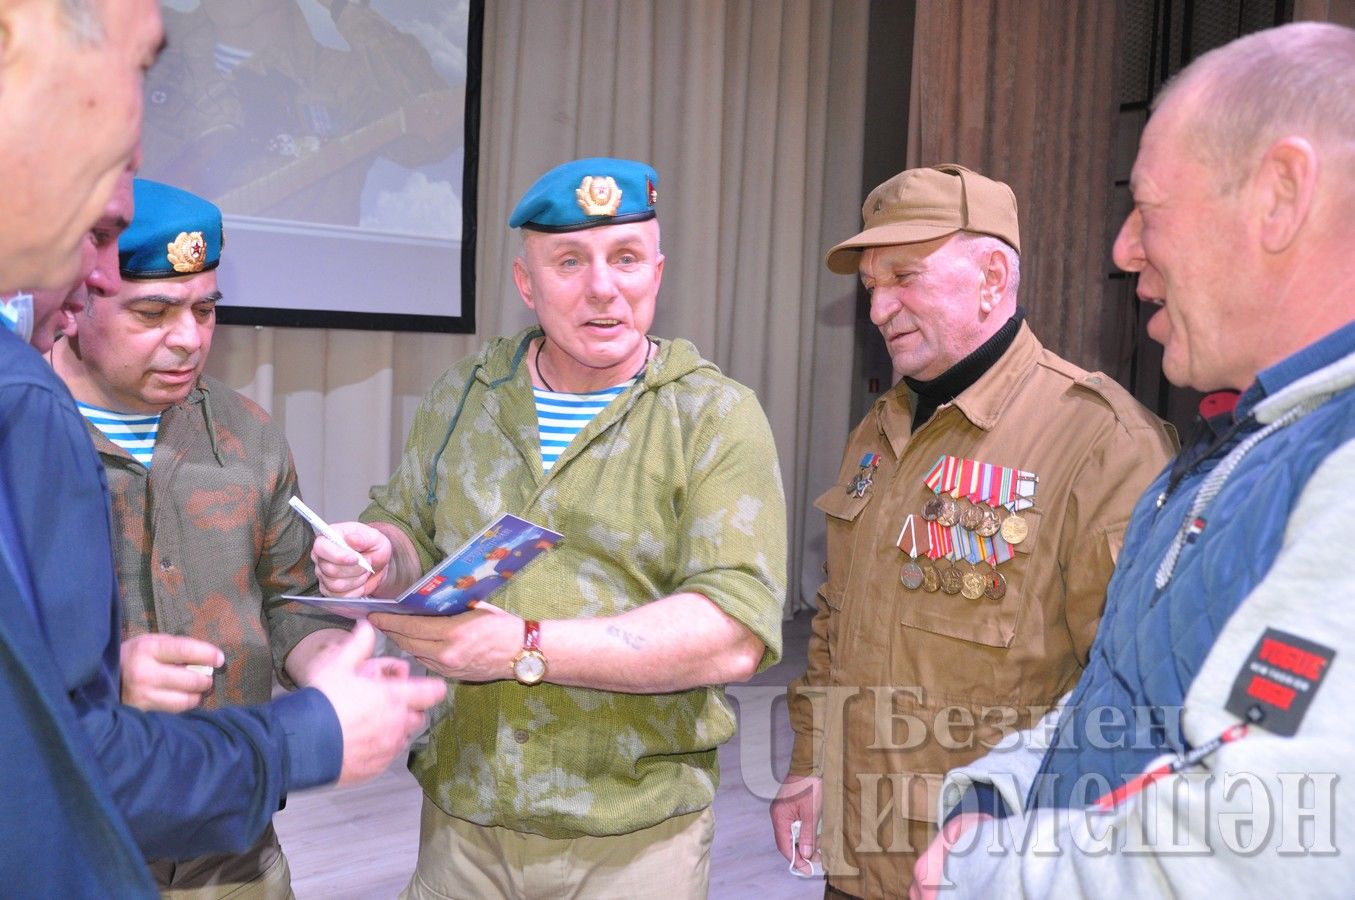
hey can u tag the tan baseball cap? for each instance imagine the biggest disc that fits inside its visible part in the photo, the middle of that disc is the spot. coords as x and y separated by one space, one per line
925 204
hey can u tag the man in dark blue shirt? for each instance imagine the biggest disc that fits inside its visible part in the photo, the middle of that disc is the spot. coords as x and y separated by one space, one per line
88 787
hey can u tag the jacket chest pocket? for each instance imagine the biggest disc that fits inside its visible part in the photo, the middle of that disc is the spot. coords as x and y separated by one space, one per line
992 618
843 510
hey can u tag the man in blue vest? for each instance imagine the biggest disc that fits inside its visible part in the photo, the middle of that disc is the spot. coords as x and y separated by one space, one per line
1206 749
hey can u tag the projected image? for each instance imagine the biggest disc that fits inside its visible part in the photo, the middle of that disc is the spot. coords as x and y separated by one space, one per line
321 127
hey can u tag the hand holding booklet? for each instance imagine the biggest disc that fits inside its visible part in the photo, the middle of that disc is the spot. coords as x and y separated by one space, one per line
462 581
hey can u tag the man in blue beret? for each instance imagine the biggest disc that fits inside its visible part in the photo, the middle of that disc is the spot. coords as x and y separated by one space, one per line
206 543
576 755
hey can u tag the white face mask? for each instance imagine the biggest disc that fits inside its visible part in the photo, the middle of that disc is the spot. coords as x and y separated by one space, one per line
16 314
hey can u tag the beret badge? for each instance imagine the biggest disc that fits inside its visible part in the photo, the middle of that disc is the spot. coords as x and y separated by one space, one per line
187 252
598 195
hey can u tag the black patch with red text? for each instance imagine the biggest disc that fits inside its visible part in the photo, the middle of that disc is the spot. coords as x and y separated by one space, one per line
1278 682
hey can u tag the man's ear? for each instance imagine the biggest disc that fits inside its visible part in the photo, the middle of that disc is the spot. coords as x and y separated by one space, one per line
18 18
523 281
995 272
1283 186
68 319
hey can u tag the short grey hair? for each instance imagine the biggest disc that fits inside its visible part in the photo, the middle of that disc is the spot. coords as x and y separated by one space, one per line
1295 79
977 246
83 20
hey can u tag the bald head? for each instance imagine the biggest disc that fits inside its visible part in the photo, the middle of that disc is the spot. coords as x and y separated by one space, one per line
1297 79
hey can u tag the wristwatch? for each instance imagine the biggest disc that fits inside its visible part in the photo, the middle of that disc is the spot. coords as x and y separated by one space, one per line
529 666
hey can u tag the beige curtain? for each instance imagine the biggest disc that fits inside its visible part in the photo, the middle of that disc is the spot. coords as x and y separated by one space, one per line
1024 91
751 110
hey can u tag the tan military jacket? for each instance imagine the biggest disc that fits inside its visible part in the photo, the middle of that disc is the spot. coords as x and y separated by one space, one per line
922 682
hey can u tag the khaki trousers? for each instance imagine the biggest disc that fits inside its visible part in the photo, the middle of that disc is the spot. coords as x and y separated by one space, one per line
260 873
462 861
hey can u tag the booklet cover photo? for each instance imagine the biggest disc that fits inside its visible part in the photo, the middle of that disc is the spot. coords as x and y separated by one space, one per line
485 563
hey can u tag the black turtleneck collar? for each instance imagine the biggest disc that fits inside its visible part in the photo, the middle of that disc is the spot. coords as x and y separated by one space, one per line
950 383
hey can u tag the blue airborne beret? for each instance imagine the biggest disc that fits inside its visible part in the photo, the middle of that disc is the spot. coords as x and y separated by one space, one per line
587 193
173 233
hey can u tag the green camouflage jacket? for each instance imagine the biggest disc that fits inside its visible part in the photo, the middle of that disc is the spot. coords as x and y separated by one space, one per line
673 487
205 541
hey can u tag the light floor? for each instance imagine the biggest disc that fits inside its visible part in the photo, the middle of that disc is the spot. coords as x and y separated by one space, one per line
360 842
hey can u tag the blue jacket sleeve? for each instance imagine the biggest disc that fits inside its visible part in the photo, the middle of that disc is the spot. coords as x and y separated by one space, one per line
210 781
187 785
981 798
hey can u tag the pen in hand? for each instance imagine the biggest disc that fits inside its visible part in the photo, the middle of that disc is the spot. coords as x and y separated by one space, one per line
324 529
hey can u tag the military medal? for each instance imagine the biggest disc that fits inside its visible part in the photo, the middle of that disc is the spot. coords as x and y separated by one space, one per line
949 516
939 544
912 575
973 585
864 476
963 519
996 586
1017 491
1014 529
993 486
971 517
994 551
963 525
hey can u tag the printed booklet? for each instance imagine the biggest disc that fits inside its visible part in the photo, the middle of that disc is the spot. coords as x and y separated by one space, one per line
460 582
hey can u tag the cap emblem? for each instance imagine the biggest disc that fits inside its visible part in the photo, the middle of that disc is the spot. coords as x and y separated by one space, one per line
187 252
598 195
652 191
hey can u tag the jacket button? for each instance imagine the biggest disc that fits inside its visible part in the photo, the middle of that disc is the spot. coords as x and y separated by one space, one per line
520 736
165 563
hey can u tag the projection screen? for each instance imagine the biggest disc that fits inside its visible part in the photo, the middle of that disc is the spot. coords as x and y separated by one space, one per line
338 137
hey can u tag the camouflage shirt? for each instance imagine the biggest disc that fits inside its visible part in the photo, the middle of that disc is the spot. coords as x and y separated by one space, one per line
673 487
206 543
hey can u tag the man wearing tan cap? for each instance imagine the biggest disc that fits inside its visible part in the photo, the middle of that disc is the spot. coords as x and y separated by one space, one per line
971 533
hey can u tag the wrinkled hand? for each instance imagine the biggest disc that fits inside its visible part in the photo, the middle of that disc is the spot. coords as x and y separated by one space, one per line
154 676
476 645
930 869
338 570
800 798
380 708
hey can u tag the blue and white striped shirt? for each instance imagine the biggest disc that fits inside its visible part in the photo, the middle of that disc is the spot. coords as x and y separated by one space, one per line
227 58
133 432
561 416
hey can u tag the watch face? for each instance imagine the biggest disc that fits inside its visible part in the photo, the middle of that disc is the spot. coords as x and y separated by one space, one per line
529 668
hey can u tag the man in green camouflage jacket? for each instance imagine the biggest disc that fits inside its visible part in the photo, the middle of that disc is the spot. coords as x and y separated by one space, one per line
576 753
199 479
